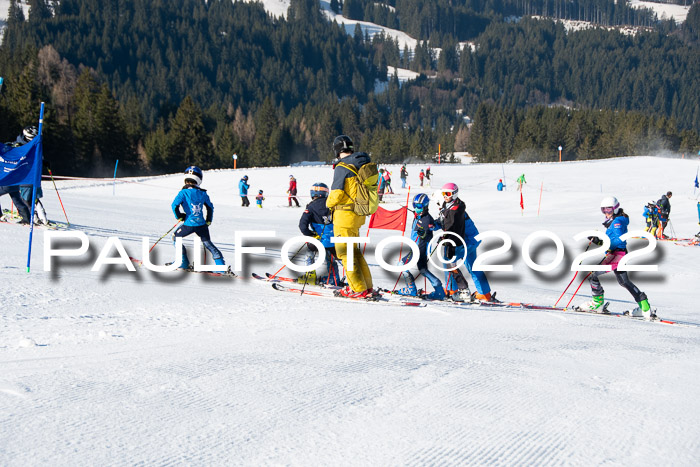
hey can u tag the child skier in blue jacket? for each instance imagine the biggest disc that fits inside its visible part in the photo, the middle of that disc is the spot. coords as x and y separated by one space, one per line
616 223
422 234
316 222
189 206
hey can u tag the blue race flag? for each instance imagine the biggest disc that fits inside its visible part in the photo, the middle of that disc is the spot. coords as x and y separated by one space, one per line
696 181
21 165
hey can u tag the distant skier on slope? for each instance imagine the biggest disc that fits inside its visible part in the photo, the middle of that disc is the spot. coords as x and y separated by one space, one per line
651 217
243 187
697 235
189 206
403 175
292 191
616 223
664 205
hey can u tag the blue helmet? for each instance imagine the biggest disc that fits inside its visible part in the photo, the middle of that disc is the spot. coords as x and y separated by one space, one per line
195 174
319 190
421 202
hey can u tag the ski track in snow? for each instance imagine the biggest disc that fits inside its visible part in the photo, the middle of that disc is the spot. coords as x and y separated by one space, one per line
144 368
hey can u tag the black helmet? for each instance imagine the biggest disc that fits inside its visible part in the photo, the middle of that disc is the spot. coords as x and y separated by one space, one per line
29 133
342 143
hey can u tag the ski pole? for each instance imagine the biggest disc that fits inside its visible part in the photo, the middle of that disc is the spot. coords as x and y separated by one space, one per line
672 229
295 255
163 236
306 276
59 196
572 279
577 289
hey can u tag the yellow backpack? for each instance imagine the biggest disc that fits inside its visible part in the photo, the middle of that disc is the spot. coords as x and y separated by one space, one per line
367 200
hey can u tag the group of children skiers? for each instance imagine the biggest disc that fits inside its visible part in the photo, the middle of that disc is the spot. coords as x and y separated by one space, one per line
332 213
657 215
423 175
243 188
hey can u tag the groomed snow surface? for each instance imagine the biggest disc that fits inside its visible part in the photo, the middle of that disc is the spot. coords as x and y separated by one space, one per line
117 367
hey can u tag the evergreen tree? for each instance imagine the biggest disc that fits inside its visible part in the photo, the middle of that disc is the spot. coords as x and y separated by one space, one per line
38 10
188 139
266 146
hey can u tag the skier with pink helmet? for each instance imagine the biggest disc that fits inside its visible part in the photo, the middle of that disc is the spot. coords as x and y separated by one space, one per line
455 219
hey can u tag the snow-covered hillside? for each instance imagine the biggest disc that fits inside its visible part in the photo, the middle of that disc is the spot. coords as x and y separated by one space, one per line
117 367
665 10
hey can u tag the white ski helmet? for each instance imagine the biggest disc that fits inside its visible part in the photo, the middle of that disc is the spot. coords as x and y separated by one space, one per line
29 133
608 203
195 174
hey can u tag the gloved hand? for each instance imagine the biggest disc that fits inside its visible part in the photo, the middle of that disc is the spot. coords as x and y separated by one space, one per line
182 217
208 222
317 237
595 240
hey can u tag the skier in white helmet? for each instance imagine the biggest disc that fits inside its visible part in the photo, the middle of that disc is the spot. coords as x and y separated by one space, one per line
616 222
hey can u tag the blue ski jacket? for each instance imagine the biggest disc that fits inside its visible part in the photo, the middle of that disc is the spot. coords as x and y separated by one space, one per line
316 220
422 231
193 200
243 187
470 231
616 228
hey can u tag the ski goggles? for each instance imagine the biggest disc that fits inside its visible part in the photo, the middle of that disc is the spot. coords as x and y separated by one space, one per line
447 193
608 210
418 209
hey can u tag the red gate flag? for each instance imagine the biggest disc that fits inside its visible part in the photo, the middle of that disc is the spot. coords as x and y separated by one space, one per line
522 205
389 220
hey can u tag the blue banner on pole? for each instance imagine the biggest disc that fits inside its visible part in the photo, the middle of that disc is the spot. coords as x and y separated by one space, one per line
21 165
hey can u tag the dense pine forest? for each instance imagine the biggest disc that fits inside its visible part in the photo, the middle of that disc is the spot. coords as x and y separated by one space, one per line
161 84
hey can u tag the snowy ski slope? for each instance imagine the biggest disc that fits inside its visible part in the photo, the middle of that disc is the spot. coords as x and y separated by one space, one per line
115 367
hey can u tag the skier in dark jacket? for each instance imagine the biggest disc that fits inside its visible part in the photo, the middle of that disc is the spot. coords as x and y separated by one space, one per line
403 175
664 213
316 222
452 215
189 206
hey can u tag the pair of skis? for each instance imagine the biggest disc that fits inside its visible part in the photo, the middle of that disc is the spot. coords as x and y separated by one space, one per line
289 285
229 273
282 284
